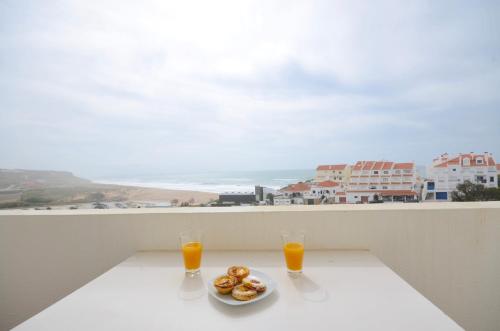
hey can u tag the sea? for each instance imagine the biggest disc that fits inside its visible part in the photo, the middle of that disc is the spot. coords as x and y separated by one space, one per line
215 182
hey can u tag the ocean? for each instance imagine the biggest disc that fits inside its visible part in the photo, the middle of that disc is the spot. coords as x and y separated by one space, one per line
215 182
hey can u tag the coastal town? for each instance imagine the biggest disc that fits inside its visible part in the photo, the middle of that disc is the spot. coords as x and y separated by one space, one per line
459 177
379 182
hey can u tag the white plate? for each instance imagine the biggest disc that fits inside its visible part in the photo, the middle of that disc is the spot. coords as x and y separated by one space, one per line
228 298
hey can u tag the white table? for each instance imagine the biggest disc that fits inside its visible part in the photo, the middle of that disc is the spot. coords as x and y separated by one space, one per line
339 290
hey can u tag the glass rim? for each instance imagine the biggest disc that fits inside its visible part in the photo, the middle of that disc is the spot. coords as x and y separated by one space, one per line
190 232
293 236
190 236
293 233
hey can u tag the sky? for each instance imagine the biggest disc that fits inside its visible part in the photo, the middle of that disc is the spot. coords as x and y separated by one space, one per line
97 87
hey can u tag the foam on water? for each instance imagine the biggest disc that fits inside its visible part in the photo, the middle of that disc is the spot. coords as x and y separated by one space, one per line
215 182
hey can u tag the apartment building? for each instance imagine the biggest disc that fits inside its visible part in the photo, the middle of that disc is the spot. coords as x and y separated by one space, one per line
327 192
339 173
296 193
446 172
382 180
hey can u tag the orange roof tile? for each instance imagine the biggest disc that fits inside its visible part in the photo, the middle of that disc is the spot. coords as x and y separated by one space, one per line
459 160
387 165
332 167
358 165
368 165
299 187
385 192
397 192
327 183
406 165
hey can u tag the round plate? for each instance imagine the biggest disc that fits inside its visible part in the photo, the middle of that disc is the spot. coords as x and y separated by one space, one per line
228 298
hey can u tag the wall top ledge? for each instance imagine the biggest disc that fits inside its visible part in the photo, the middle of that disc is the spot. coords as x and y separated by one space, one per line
263 209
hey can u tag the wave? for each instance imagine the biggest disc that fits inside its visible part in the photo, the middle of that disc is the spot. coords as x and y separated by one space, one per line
199 187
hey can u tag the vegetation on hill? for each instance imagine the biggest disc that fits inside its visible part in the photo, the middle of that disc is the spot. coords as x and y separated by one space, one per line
11 179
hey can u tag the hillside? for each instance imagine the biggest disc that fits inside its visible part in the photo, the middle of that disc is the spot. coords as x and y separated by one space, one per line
18 179
32 188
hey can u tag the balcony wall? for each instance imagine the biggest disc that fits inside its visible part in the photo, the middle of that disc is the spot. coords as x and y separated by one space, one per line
450 252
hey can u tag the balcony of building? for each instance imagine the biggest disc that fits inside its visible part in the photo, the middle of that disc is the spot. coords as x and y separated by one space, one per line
448 252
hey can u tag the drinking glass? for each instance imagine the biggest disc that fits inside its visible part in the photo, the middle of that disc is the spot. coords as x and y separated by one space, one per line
293 248
191 250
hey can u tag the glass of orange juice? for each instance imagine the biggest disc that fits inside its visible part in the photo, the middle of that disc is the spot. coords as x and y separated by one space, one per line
191 251
293 247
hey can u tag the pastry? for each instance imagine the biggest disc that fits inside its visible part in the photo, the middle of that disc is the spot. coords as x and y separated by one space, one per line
225 284
239 272
243 293
254 283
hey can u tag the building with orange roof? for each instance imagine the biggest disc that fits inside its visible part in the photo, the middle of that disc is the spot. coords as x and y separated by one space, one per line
326 192
339 173
446 172
384 180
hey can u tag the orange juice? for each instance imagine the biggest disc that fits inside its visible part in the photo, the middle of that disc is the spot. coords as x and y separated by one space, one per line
192 255
294 254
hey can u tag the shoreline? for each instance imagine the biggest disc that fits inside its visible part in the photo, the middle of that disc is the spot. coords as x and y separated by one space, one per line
190 187
111 195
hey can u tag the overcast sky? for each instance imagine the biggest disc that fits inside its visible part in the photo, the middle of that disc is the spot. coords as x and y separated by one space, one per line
179 86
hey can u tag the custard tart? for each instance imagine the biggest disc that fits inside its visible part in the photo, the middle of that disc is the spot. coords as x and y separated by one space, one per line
243 293
225 284
239 272
254 283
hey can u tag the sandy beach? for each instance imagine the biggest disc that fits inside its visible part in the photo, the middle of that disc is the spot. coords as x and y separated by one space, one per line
161 195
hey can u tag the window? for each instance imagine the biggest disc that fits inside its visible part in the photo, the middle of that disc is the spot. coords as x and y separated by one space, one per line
386 172
384 187
373 187
375 172
385 179
492 179
479 161
398 172
466 161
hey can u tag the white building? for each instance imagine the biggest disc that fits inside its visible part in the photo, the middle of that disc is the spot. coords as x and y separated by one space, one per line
296 192
281 200
327 192
339 173
447 172
387 181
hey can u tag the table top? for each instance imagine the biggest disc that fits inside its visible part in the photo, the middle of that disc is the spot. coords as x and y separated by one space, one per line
339 290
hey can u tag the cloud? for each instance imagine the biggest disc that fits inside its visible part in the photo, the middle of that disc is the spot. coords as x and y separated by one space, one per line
92 87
